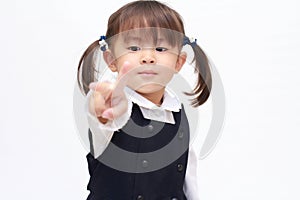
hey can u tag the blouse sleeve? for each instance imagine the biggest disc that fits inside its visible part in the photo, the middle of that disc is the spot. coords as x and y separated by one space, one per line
191 184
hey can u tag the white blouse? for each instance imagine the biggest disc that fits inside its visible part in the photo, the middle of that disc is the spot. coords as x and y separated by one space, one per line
102 133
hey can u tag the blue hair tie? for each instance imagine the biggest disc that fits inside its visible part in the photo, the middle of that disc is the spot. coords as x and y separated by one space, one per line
102 43
102 37
190 41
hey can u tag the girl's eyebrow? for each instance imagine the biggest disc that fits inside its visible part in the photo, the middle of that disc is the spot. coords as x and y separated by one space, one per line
160 40
133 39
139 39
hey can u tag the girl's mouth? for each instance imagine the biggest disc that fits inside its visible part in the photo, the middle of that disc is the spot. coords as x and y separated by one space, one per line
147 73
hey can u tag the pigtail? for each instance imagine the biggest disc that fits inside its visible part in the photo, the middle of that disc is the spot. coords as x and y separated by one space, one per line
204 84
86 72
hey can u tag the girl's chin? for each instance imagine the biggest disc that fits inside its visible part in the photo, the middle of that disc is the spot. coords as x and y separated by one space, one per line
150 89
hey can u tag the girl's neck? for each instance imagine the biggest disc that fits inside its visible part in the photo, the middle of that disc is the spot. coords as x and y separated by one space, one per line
155 97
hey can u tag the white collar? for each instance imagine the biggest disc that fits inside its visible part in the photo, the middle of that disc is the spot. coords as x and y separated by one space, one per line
170 101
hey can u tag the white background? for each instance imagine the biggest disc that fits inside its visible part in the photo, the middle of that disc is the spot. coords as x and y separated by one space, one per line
255 46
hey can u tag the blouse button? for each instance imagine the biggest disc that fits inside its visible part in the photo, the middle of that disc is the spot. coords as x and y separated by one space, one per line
140 197
180 134
145 163
180 167
150 128
174 198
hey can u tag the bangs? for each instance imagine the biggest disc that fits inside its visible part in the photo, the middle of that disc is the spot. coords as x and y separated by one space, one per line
152 35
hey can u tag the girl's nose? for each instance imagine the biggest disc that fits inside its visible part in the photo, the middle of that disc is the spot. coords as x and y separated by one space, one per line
148 57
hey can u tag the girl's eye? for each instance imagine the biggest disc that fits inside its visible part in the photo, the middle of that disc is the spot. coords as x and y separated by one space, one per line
134 48
161 49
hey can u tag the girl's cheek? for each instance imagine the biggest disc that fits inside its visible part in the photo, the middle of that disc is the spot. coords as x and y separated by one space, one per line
126 67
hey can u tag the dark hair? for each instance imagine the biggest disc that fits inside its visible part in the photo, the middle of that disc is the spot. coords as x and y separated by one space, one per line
141 14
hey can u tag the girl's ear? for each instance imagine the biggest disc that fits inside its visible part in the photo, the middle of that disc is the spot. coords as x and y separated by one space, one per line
180 61
110 60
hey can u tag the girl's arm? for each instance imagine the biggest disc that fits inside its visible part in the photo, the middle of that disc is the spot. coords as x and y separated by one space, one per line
190 186
108 109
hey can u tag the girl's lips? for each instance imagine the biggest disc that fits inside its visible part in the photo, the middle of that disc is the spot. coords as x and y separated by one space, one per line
147 73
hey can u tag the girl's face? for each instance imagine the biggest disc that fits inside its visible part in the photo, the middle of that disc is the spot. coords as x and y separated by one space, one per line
146 66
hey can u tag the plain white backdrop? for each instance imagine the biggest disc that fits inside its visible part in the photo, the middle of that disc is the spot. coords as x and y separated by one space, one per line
255 46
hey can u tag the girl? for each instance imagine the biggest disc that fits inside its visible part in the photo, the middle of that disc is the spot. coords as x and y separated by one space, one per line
138 130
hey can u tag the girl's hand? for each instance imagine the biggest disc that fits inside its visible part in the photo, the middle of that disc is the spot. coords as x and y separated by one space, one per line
108 100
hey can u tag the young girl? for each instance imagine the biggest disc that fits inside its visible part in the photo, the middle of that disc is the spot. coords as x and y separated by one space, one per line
138 130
